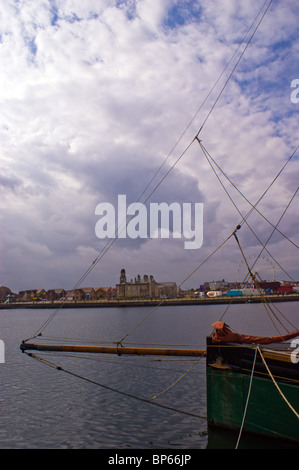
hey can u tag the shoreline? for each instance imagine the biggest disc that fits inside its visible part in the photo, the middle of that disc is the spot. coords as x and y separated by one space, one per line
150 302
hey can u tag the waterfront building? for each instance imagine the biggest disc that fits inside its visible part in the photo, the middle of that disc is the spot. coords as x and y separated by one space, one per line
144 288
55 294
4 293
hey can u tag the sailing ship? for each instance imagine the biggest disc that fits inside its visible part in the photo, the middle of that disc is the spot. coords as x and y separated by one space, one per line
252 382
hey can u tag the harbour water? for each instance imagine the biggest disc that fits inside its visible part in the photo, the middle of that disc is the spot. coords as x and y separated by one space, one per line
128 402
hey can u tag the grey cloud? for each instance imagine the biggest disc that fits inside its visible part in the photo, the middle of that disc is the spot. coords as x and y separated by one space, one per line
10 182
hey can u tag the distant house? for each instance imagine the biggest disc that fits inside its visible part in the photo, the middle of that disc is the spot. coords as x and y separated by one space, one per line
168 289
76 295
27 295
31 295
4 293
105 293
55 294
39 294
89 293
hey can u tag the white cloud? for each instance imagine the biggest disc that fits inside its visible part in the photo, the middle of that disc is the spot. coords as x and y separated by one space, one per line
93 97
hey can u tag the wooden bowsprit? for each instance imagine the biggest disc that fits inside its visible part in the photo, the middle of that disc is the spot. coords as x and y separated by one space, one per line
119 350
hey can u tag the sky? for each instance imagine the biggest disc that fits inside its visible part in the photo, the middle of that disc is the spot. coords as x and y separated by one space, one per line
101 98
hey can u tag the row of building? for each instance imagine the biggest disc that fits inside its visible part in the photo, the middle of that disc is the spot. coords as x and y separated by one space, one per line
141 288
237 288
145 287
52 295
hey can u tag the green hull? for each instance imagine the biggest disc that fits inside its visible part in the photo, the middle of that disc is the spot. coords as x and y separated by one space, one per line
267 413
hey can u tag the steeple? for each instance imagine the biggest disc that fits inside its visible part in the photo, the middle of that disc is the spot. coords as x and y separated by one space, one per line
123 278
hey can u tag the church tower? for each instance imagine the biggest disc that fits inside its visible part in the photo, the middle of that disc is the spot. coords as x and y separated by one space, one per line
123 278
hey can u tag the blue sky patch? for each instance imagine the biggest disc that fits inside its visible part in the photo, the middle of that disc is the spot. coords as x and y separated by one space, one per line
183 12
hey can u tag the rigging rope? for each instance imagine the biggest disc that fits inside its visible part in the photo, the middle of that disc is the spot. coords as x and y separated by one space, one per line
247 400
270 236
204 101
177 381
257 349
236 65
276 385
253 206
244 219
191 274
112 389
264 300
208 257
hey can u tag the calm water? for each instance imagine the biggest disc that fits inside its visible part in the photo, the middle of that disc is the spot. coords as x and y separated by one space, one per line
41 407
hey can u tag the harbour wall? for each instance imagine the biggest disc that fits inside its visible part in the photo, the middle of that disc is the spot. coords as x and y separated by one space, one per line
152 302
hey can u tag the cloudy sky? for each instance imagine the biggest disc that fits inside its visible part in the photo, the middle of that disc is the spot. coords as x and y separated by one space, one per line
100 98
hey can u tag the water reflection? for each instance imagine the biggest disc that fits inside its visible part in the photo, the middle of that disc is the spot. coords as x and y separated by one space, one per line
41 407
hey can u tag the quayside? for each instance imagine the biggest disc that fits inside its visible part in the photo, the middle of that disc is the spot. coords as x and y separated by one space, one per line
152 303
